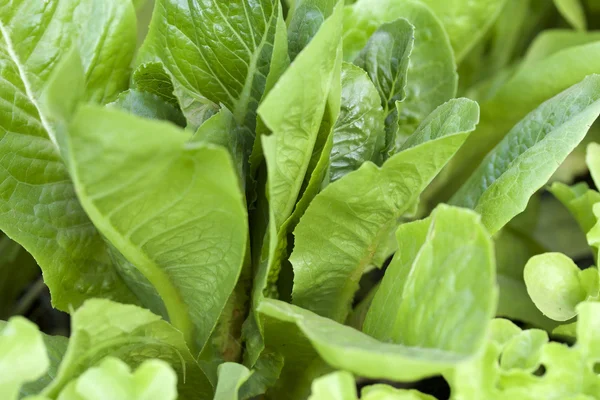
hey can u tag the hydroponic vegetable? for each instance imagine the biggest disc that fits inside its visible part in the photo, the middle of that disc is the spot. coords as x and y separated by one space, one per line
299 199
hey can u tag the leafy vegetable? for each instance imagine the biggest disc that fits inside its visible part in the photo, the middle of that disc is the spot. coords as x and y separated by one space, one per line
421 351
431 56
39 206
501 186
363 209
245 199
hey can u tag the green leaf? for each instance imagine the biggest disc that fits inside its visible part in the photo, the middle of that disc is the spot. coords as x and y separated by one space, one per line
432 78
148 105
226 64
152 78
573 12
521 94
231 378
280 61
265 372
354 213
307 94
529 154
23 357
554 284
358 134
304 20
101 328
195 194
221 130
466 22
17 270
431 278
139 4
385 58
112 379
334 386
56 347
38 205
103 32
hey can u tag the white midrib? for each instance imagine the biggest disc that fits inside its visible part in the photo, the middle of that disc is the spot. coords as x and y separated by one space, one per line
28 90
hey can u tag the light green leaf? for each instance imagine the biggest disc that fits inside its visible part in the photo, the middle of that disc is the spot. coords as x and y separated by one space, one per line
523 350
552 41
195 194
358 134
579 200
572 11
520 95
112 379
508 367
432 78
354 213
385 392
529 154
23 357
346 348
293 111
38 206
231 378
466 22
593 162
101 328
226 64
305 96
148 105
334 386
341 386
416 305
304 20
593 235
554 284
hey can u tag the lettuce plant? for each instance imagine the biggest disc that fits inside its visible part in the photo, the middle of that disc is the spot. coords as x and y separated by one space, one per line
301 199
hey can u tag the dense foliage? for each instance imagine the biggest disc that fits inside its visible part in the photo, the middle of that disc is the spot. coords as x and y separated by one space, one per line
300 199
